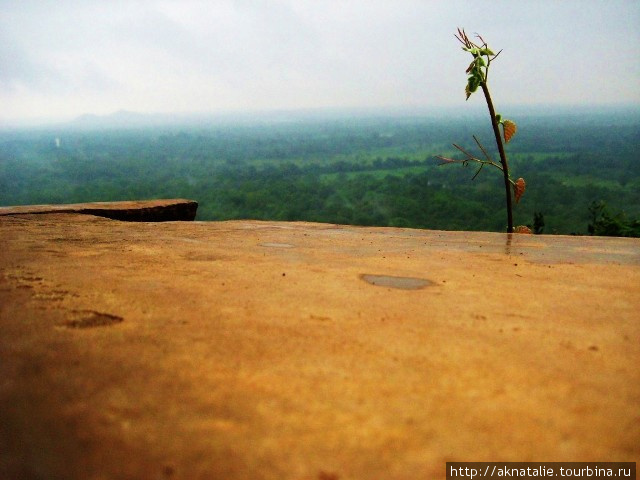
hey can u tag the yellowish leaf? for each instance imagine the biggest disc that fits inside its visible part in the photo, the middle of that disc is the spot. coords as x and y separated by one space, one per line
509 128
518 188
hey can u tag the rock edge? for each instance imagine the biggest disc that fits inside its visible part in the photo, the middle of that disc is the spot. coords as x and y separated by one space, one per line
165 210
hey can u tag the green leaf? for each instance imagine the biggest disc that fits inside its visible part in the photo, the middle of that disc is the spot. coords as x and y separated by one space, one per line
487 51
473 83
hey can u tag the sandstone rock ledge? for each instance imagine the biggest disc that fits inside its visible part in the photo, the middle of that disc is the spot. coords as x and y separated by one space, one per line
298 351
128 211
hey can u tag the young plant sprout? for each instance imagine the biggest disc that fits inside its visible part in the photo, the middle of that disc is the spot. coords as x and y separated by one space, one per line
478 74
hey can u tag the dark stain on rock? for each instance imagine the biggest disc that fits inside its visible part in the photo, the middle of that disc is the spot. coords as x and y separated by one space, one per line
91 319
168 471
204 257
322 475
402 283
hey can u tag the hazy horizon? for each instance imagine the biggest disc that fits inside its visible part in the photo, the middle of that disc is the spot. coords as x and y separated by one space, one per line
131 119
60 60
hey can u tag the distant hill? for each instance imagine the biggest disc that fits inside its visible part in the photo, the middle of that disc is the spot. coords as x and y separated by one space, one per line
119 119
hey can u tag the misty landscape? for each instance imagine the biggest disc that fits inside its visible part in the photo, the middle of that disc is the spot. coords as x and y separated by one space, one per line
359 168
323 111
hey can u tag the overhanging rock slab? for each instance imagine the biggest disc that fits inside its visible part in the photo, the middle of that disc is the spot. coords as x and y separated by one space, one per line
262 350
129 211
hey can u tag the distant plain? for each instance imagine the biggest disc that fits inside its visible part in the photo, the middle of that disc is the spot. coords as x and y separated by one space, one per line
360 168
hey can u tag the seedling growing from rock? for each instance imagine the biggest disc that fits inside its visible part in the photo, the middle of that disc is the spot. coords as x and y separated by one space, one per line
478 74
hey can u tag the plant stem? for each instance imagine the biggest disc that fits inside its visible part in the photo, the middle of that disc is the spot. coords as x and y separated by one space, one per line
503 155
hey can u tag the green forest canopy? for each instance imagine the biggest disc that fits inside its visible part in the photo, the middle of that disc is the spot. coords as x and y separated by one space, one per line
359 169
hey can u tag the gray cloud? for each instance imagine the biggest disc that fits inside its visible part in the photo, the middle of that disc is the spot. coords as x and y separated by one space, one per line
70 57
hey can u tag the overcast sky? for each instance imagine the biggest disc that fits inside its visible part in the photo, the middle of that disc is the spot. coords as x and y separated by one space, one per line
63 58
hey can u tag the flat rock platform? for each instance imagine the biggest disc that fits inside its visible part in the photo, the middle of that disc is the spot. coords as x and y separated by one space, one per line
299 351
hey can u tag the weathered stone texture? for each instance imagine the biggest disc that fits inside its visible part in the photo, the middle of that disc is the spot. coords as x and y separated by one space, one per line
298 351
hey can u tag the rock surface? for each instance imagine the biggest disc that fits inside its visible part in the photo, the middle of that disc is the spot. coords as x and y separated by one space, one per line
129 211
297 351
